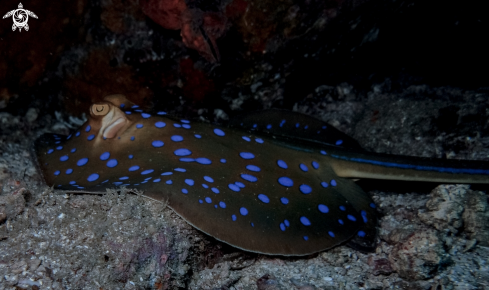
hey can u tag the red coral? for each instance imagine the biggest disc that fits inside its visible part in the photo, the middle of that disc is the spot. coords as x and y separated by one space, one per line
197 86
199 29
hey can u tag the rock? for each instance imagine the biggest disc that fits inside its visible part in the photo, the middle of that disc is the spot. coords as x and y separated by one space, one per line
476 217
419 256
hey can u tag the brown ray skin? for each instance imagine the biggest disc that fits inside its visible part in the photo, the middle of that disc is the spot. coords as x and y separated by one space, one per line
266 236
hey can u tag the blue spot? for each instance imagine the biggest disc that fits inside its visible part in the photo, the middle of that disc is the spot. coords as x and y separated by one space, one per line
131 156
282 123
105 156
87 129
333 182
67 138
222 204
233 217
139 126
259 140
303 167
252 224
269 126
124 178
182 152
176 125
243 211
246 155
297 125
122 105
161 113
208 179
160 124
176 138
352 218
203 160
263 198
59 147
240 184
285 181
186 126
157 143
305 189
57 172
82 162
117 183
185 121
134 168
282 227
77 134
187 159
246 138
72 182
361 234
50 151
69 171
341 222
132 138
57 142
323 208
233 187
372 205
339 142
306 126
324 184
315 165
254 125
127 112
180 169
306 238
148 171
364 216
189 182
90 138
205 185
305 221
219 132
253 168
93 177
201 201
112 163
323 152
223 160
324 127
135 107
342 207
249 177
284 200
157 180
169 182
208 200
197 136
145 115
331 234
282 164
167 173
215 190
184 190
286 222
63 158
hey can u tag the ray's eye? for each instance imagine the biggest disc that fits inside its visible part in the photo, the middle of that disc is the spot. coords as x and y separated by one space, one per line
99 109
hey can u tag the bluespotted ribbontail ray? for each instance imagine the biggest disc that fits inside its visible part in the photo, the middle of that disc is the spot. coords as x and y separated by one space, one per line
277 184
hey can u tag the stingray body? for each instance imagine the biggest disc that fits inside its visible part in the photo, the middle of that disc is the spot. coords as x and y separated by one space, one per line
275 183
